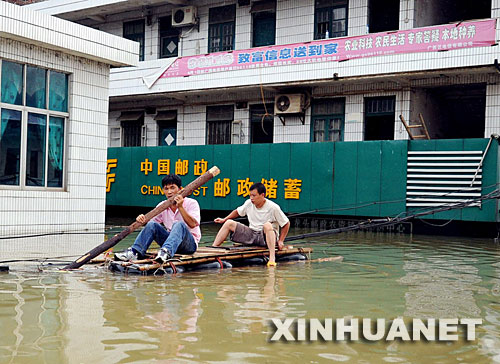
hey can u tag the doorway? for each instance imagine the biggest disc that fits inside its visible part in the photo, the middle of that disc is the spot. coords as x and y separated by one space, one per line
261 127
379 118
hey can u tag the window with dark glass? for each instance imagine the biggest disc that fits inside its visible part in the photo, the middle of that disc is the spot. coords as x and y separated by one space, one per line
169 38
58 91
451 11
36 80
219 119
379 118
383 15
330 19
327 120
134 30
167 127
10 147
56 152
12 83
264 23
33 110
131 123
221 25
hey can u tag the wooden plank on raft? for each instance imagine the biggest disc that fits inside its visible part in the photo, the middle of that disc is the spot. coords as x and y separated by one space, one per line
243 253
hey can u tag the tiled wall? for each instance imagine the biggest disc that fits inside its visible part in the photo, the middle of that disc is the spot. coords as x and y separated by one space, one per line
191 125
82 205
492 117
357 17
191 119
294 24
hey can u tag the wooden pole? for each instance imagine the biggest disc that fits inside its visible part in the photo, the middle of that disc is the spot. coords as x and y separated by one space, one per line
186 191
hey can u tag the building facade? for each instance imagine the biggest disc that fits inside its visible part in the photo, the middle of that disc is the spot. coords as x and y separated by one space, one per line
54 103
454 87
218 82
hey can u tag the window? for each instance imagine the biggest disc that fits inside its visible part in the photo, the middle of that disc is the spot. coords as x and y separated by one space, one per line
167 127
330 19
383 15
450 11
134 30
221 28
327 120
264 23
379 118
169 38
32 134
131 123
219 119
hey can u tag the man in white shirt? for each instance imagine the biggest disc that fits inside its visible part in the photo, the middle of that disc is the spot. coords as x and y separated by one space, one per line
265 218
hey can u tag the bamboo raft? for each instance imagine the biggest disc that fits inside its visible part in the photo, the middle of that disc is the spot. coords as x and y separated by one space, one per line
210 258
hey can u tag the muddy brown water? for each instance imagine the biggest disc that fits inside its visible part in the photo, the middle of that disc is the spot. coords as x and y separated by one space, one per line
94 316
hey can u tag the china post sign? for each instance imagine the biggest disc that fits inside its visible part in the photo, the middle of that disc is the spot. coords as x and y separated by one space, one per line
134 174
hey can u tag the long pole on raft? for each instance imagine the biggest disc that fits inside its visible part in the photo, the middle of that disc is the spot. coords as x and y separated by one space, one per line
186 191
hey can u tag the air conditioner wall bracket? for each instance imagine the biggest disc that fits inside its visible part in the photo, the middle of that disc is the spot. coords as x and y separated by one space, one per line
302 118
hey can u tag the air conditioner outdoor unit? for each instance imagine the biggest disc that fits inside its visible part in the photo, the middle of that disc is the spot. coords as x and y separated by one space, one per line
184 16
289 104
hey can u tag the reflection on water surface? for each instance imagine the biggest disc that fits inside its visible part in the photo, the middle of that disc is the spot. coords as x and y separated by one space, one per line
94 316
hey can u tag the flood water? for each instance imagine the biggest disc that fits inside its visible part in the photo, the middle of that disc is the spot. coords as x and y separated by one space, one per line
94 316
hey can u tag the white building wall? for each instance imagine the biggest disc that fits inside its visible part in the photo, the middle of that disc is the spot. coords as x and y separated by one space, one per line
244 116
191 125
357 18
85 54
406 14
81 205
114 137
151 131
294 21
492 118
293 131
243 22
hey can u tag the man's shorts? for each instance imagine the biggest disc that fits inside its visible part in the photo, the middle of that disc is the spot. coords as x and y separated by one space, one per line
244 235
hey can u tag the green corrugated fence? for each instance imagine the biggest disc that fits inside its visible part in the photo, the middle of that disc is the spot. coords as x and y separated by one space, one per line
339 178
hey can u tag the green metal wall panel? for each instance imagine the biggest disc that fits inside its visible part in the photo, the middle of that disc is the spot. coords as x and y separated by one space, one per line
345 174
260 155
300 169
120 191
369 164
321 176
488 209
205 198
335 178
393 177
279 167
489 182
222 159
240 167
138 178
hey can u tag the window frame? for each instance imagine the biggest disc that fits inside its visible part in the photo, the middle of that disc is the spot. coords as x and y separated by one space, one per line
226 122
165 34
220 25
330 9
25 110
329 119
142 41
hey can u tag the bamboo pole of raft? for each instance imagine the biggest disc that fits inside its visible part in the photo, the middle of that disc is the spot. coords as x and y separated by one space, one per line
186 191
